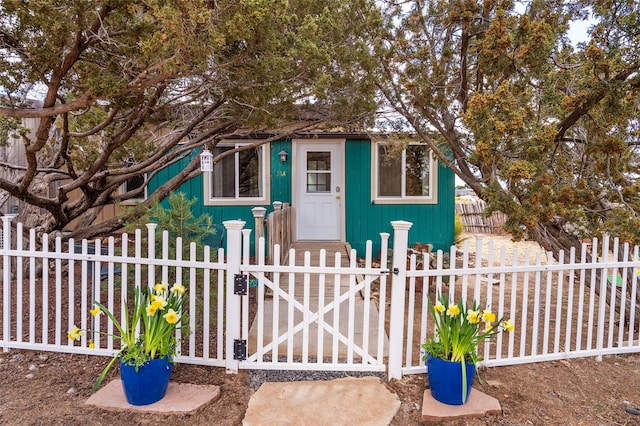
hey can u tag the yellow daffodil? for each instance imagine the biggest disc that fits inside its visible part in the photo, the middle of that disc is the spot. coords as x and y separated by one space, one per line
159 303
172 316
178 288
75 333
91 344
509 326
473 317
160 288
439 307
488 327
151 310
96 311
488 316
454 310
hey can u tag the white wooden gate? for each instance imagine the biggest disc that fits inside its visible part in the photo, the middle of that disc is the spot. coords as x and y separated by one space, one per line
319 315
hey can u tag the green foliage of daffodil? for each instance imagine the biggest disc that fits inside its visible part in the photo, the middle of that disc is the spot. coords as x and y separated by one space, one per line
148 328
459 331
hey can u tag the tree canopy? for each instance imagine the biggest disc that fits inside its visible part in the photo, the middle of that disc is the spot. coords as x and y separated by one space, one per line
545 131
126 88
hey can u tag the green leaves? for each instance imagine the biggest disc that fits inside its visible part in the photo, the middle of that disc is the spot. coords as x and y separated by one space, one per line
526 115
154 80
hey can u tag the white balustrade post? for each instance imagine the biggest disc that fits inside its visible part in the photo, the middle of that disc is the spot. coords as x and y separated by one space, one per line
151 252
234 313
398 287
258 216
6 280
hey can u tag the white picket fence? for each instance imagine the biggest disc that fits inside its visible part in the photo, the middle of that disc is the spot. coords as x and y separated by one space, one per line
573 307
45 293
370 318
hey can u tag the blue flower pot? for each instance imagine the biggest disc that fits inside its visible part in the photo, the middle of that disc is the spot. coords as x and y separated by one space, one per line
148 384
445 380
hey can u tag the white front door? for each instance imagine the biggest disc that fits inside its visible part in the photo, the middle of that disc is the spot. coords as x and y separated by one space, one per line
319 191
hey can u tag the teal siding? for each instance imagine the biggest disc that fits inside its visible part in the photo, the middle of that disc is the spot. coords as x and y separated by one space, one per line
279 186
432 223
280 173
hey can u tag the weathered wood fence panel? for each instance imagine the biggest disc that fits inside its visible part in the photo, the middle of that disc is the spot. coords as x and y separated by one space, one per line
473 216
279 227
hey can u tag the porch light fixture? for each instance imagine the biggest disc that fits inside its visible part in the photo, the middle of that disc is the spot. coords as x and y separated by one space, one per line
206 160
283 156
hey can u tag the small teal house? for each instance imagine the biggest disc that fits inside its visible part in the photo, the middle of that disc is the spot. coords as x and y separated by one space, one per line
342 186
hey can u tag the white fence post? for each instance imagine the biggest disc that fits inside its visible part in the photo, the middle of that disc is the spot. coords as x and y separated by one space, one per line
233 317
6 279
398 287
258 217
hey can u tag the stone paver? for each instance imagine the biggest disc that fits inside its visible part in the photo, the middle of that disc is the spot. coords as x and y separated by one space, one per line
478 405
181 398
348 401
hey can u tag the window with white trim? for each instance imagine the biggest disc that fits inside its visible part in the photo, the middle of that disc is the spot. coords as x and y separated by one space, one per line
238 176
408 176
134 183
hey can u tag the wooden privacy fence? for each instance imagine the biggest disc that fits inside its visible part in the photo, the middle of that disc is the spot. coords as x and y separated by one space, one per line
474 219
584 304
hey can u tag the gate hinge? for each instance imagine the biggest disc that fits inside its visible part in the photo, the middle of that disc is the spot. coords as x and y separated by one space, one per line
239 349
240 286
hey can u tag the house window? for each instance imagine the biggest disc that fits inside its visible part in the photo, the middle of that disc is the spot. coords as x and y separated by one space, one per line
318 172
238 176
134 183
404 177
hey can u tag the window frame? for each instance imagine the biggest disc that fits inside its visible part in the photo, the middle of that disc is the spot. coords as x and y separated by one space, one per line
209 200
432 198
124 189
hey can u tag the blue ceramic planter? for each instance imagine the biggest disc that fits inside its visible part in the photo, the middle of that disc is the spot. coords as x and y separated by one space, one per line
148 384
445 380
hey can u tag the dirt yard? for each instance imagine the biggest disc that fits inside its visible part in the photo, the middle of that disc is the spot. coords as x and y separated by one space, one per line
51 388
38 388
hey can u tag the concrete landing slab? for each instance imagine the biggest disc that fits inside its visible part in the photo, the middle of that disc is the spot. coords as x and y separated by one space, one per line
347 401
181 398
478 405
